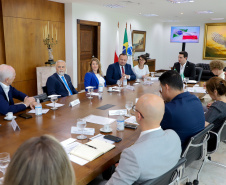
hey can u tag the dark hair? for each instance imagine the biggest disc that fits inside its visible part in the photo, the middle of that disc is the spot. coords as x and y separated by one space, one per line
172 79
144 57
185 53
216 83
124 54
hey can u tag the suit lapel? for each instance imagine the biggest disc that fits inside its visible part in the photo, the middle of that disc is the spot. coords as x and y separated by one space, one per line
11 102
95 77
58 78
118 68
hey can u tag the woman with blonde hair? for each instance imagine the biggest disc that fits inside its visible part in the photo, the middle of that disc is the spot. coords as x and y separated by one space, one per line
94 76
217 67
40 161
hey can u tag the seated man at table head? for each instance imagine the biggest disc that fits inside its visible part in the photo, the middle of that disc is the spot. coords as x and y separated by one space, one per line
94 76
60 83
217 67
119 70
183 111
185 67
7 92
155 152
40 161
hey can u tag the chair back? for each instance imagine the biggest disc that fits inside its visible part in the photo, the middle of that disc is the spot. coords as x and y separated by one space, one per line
44 89
172 176
197 146
42 97
222 132
198 73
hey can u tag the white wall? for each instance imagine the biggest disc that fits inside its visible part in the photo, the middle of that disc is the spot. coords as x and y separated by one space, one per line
109 21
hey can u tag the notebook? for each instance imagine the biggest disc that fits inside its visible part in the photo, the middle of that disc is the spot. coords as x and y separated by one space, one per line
92 149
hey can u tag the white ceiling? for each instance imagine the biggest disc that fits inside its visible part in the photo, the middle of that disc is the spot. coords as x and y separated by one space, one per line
167 11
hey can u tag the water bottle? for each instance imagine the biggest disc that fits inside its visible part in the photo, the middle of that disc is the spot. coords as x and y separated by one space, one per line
120 123
124 81
38 108
101 87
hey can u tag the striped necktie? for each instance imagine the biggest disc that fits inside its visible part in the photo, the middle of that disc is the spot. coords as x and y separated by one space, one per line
66 85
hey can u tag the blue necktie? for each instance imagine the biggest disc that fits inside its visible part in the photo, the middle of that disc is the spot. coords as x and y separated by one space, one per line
66 85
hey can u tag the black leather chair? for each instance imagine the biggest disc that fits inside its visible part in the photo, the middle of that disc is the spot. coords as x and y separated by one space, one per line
206 73
44 89
198 73
42 97
197 149
173 176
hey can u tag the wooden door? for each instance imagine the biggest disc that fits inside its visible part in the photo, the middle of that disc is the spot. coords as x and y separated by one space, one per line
88 46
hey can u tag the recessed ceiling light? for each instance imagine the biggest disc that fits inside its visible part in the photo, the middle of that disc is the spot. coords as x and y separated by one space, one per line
150 15
217 19
181 13
139 13
114 6
181 1
204 12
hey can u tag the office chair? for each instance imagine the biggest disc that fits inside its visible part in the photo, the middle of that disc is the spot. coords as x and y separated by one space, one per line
197 150
44 89
171 177
198 73
42 97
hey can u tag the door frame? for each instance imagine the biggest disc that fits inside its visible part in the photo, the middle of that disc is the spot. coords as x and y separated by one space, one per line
89 23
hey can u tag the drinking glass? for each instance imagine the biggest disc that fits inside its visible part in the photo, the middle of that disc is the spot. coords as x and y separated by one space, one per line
90 90
119 83
81 124
54 100
152 74
129 105
4 162
186 79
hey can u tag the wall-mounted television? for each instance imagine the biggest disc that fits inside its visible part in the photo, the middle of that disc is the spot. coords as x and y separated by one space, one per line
186 34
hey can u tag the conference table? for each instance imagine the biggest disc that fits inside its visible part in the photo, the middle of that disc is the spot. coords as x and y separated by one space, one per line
58 123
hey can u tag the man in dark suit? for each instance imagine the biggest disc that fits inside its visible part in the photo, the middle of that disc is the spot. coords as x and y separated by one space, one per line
7 92
183 111
185 67
60 83
119 70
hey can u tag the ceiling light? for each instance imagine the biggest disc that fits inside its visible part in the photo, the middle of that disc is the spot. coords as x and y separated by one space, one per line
204 12
217 19
113 6
181 13
181 1
150 15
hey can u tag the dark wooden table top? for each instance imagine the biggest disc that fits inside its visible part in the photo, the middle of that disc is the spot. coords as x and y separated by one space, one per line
59 122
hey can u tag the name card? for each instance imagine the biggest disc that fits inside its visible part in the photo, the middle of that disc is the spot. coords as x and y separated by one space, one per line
73 103
117 112
15 125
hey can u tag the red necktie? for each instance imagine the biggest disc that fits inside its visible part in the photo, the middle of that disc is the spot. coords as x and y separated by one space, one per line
123 70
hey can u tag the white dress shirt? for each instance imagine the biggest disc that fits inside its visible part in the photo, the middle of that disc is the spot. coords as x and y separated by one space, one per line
64 84
100 79
182 68
124 70
222 75
148 131
140 72
5 89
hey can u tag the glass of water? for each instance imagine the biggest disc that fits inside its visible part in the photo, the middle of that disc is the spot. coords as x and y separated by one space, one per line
54 100
90 90
186 79
129 105
81 124
119 83
4 162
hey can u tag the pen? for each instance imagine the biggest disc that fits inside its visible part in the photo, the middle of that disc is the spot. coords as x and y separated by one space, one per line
91 146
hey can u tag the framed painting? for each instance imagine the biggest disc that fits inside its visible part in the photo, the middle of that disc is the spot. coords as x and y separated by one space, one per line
214 41
139 40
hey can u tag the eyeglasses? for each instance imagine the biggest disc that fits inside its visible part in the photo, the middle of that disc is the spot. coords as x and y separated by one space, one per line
135 110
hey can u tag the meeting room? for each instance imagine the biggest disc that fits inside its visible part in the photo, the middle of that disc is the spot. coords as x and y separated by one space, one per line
112 92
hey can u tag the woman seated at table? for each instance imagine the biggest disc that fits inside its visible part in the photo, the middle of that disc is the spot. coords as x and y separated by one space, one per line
216 87
141 70
217 67
41 161
94 76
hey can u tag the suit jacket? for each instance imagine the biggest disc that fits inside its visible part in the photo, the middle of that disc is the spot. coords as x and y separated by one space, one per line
189 70
91 80
55 85
8 106
152 155
114 73
184 114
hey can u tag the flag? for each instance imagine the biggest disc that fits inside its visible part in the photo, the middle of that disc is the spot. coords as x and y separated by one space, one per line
130 49
125 43
190 36
116 47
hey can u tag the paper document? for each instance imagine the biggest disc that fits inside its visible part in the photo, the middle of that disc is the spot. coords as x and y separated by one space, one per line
192 81
101 137
56 104
99 120
196 89
153 78
132 120
117 112
44 111
86 131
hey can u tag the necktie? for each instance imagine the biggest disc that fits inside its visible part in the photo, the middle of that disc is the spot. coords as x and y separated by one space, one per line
66 85
123 70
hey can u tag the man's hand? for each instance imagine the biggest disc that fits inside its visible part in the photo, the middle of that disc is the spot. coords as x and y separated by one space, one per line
29 100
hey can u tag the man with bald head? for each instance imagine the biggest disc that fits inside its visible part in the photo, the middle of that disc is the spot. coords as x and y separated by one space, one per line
7 92
155 152
60 83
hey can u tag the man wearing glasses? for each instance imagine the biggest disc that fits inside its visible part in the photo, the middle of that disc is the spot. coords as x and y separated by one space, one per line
155 152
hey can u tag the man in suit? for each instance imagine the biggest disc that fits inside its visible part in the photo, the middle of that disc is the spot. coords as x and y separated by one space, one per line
183 111
60 83
185 67
7 92
155 152
119 70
